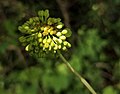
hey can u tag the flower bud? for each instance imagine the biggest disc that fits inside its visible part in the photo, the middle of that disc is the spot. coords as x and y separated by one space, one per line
32 30
64 31
56 47
27 48
32 34
22 39
39 35
62 37
46 45
26 27
45 33
55 39
44 41
54 51
46 28
59 40
49 40
59 26
51 32
58 34
50 48
69 45
42 28
59 47
30 20
43 48
65 43
51 29
41 45
40 39
52 44
64 48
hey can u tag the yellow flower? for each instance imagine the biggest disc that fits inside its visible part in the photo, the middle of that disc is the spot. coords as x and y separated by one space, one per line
44 35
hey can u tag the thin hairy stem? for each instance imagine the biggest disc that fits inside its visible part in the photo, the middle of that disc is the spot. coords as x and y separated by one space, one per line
77 74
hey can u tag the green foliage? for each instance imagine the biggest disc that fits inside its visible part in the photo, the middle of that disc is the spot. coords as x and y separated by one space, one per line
109 90
10 27
91 44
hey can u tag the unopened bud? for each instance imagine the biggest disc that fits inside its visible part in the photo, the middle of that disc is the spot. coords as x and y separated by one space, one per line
65 43
41 45
69 45
49 48
45 33
49 40
52 44
54 38
64 31
60 41
27 48
39 35
44 41
59 26
64 48
59 47
56 47
62 37
26 27
46 28
46 45
54 31
51 32
32 30
54 51
40 39
42 28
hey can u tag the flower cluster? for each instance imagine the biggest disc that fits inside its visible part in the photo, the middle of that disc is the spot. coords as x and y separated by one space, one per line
44 34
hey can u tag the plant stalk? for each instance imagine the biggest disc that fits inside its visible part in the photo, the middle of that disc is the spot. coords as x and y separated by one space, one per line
77 74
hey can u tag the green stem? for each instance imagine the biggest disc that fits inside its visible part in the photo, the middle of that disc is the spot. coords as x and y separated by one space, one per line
77 74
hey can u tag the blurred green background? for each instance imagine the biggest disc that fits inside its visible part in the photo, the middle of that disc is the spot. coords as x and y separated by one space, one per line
95 51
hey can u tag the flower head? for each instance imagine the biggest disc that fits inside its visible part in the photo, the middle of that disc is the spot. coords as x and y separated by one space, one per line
44 34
